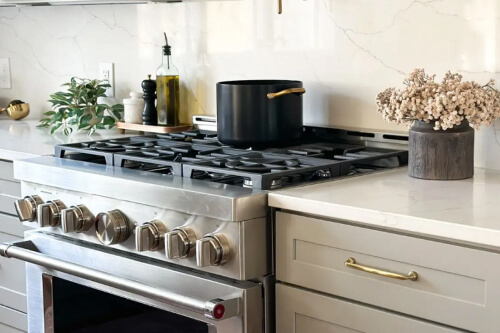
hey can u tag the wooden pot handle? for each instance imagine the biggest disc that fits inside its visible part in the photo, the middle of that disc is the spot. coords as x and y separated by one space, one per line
296 91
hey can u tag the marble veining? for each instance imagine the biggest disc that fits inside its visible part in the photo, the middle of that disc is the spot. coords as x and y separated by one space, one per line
344 51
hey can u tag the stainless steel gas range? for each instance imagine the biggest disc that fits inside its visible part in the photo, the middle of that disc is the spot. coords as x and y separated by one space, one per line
168 233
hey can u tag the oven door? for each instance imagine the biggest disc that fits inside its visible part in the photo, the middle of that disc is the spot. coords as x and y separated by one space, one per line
74 287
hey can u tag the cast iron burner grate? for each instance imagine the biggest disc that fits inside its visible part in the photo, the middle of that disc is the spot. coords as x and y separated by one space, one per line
150 160
261 170
350 156
168 158
102 151
181 154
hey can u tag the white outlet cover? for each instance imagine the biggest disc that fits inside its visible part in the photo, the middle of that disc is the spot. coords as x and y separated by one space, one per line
107 72
5 80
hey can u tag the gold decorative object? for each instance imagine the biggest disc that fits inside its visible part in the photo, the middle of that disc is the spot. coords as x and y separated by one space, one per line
17 110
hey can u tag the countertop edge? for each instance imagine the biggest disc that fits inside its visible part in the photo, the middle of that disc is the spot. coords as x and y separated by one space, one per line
435 229
11 155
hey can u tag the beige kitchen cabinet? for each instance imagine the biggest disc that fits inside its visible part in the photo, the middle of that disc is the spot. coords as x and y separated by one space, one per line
457 286
300 311
12 272
9 224
10 189
12 279
9 329
12 321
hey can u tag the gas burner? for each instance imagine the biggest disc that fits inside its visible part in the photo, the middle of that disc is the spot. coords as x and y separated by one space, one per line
194 136
180 150
108 147
83 144
324 150
210 152
261 164
209 141
138 145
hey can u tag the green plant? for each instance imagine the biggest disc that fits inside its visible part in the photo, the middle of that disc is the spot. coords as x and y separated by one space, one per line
78 107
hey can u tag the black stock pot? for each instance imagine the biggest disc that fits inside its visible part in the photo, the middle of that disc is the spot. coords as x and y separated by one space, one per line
259 113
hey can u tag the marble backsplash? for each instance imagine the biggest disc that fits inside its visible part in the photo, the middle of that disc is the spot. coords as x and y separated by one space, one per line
344 51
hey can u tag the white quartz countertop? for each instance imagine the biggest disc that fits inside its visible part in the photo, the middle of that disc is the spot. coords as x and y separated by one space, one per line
22 139
467 211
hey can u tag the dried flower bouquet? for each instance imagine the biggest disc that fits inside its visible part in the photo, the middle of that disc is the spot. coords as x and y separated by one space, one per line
447 104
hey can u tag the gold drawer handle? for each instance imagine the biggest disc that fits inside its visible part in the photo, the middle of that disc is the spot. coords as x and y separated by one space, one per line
351 263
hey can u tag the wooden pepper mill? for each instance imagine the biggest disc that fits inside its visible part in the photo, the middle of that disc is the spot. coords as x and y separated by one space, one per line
149 114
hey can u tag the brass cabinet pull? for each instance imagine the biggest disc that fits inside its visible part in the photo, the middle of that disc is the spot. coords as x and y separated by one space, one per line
280 7
351 263
297 91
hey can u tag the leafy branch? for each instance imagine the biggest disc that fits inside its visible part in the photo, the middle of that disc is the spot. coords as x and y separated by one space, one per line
78 108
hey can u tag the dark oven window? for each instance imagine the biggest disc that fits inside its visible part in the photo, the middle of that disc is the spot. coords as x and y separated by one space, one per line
80 309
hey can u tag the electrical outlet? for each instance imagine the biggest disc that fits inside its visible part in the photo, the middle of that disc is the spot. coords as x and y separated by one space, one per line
107 72
5 82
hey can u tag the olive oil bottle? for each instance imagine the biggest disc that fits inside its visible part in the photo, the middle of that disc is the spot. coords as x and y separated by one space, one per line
167 89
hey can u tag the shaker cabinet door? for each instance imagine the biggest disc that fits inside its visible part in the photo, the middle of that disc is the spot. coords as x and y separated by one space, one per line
12 321
301 311
12 279
454 285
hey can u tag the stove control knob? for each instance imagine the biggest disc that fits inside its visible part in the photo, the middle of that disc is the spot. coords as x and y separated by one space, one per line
212 250
49 214
150 236
26 208
180 243
76 219
112 227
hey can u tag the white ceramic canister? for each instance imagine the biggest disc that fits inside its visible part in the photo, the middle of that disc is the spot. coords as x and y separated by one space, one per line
133 108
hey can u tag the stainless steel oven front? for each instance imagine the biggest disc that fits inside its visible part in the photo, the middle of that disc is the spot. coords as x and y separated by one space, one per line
76 287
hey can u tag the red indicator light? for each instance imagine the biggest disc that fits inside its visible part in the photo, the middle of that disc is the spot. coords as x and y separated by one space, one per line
219 311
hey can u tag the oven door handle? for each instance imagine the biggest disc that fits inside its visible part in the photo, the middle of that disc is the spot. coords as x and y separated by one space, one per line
215 309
